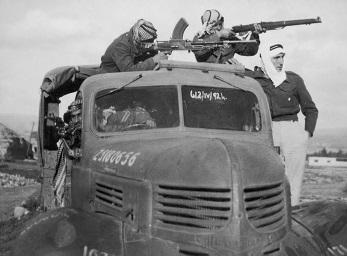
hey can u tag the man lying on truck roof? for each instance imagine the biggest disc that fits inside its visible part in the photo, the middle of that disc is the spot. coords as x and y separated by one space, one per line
124 53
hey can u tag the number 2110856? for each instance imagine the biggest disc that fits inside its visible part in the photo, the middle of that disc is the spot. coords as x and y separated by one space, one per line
116 156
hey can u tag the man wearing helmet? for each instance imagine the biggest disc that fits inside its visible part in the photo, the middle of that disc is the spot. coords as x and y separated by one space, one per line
213 30
125 52
73 117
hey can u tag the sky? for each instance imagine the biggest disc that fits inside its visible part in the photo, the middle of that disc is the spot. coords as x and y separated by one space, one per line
39 35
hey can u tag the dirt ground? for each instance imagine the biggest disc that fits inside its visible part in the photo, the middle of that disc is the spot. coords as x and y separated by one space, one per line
320 183
12 197
324 183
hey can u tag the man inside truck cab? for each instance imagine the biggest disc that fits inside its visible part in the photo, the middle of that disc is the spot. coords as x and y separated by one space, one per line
132 117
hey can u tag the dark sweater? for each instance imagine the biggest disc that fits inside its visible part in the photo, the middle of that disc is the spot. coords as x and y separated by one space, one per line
122 56
286 100
222 55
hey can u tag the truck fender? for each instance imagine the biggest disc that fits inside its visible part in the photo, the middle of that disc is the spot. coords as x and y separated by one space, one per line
327 220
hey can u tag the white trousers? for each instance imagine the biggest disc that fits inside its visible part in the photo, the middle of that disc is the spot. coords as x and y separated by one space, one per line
292 139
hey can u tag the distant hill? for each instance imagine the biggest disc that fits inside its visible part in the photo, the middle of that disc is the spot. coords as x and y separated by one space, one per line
21 124
332 139
13 146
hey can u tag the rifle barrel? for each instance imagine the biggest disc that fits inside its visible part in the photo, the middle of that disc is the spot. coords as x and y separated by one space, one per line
276 24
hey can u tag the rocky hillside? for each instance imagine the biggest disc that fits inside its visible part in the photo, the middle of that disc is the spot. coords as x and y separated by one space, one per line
21 124
12 145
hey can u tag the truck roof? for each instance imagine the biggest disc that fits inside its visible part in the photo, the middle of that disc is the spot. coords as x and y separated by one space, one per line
175 72
64 80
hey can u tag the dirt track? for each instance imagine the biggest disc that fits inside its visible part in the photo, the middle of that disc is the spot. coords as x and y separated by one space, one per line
12 197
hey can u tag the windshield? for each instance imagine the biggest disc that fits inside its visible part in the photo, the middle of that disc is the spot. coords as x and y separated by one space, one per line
220 108
134 108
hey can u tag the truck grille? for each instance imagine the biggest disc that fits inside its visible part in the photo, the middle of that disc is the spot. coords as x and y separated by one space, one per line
265 207
189 207
108 195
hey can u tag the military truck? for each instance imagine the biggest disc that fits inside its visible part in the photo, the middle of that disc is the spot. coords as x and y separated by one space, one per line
204 179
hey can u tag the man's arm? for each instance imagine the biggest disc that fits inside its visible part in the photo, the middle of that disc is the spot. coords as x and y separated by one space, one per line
308 107
203 55
248 49
125 61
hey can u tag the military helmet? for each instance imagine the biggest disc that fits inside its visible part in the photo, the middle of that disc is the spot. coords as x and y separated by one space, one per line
74 108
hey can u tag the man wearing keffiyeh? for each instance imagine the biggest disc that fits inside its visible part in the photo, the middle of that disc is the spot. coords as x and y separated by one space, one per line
124 53
213 31
72 117
287 95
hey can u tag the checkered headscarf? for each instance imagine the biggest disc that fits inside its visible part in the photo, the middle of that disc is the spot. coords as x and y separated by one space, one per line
211 16
209 19
143 30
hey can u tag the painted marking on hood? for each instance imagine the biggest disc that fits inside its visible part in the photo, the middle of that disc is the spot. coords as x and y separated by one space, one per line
116 157
94 252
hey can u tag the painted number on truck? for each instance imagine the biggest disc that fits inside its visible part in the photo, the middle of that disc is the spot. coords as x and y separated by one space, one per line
201 95
116 157
94 252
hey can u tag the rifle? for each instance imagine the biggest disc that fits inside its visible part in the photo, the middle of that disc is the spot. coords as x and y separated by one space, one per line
275 24
177 43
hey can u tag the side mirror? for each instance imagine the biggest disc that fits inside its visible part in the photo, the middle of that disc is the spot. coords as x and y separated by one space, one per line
52 112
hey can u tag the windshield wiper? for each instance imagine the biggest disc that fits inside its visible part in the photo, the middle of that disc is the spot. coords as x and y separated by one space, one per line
223 80
119 88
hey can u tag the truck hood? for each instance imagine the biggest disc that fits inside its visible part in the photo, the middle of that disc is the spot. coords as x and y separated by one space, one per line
190 161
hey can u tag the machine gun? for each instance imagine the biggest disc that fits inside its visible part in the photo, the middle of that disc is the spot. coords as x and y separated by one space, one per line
177 43
186 45
69 135
59 125
275 24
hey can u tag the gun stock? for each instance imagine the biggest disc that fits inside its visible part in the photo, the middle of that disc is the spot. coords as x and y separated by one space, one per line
276 24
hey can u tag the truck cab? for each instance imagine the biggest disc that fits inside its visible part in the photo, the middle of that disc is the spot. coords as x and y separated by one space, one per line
176 161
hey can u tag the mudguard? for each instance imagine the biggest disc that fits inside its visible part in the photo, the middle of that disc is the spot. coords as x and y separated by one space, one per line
318 228
327 221
68 231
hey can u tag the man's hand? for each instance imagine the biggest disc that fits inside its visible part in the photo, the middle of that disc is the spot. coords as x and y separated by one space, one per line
233 61
258 29
225 33
151 123
160 56
106 113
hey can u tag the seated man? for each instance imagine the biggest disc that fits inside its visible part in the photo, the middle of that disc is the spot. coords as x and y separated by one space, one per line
129 117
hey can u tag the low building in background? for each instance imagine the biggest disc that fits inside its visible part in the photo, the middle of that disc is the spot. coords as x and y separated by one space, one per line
327 161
